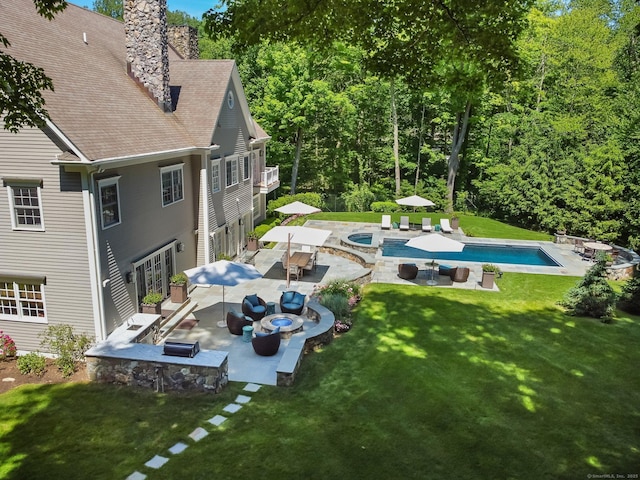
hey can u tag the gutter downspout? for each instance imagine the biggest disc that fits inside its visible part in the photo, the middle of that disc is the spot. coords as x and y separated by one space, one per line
97 294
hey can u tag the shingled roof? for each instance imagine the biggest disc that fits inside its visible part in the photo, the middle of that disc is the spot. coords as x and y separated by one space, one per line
96 105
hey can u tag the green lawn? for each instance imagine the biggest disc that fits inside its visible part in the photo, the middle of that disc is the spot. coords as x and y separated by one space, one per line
470 224
430 383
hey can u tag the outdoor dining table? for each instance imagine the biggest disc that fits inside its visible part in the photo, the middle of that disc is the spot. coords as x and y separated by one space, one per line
300 259
598 246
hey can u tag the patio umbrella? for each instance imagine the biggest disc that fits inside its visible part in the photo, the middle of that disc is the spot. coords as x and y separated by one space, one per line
415 201
297 208
301 235
435 242
225 273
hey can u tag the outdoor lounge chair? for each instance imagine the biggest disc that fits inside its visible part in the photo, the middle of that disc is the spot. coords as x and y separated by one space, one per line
404 223
266 344
235 322
445 226
426 224
255 307
386 222
292 302
460 274
407 271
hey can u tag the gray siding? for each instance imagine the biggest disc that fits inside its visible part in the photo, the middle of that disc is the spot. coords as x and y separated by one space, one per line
233 138
145 226
60 252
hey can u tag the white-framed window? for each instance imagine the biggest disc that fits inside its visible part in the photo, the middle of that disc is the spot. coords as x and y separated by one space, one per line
25 199
231 166
22 300
215 175
109 201
246 167
171 180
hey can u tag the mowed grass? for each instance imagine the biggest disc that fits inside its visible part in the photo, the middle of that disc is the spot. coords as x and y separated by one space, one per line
472 225
430 383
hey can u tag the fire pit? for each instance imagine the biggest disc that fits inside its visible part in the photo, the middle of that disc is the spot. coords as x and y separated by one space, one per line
288 323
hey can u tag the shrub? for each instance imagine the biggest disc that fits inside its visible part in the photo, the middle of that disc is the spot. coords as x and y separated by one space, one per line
385 207
358 198
32 362
7 346
338 304
592 296
629 300
67 346
152 298
488 267
178 279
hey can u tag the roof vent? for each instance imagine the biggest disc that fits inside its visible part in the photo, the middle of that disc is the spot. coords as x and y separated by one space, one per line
84 37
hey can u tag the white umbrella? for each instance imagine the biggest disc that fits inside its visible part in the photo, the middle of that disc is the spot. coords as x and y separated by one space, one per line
435 242
297 208
415 201
301 235
225 273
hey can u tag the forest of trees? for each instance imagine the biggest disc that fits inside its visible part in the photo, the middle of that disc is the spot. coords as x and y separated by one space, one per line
525 111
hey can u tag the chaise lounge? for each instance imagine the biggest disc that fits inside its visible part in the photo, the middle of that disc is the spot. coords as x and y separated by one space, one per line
426 224
404 223
386 222
445 226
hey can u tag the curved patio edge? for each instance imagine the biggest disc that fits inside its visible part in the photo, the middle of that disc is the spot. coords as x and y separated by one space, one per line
299 344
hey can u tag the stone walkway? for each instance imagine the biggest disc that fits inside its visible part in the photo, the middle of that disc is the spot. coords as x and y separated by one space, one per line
200 433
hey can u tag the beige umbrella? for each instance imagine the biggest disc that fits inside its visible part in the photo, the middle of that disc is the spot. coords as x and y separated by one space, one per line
297 208
435 242
301 235
415 201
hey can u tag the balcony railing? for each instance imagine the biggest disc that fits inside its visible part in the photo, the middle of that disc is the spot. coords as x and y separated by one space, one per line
269 176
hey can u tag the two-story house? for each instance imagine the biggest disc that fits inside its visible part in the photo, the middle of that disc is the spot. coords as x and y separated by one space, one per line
149 164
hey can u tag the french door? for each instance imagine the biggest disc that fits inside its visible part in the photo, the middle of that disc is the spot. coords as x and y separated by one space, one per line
154 271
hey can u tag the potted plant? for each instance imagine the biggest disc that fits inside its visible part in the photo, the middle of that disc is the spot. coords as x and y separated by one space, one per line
454 222
252 241
489 273
561 230
178 288
152 303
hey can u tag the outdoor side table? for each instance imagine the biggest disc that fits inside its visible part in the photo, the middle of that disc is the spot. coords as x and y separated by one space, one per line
247 333
271 308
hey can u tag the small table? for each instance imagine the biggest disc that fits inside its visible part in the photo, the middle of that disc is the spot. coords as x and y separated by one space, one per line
598 246
247 333
271 308
431 282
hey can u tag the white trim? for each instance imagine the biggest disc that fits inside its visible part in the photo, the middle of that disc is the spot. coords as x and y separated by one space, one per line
19 300
217 162
91 231
167 169
66 141
204 205
231 159
14 220
106 182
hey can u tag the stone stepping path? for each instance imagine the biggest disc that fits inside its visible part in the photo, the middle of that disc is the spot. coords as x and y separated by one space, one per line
198 434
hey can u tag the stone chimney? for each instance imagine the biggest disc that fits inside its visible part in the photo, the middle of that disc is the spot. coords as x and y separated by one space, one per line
145 26
185 40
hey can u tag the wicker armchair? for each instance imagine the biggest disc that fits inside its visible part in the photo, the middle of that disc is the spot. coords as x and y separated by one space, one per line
292 302
407 271
235 322
459 274
255 307
266 344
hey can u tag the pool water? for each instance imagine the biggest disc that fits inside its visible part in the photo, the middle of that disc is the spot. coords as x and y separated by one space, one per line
361 238
474 253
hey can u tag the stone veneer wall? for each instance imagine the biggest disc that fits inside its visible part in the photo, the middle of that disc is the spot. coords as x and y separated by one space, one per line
145 26
184 39
161 377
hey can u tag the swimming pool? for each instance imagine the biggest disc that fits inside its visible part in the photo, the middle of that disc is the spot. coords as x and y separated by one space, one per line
474 252
361 238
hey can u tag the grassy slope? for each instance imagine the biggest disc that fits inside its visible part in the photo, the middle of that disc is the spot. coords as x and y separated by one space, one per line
430 383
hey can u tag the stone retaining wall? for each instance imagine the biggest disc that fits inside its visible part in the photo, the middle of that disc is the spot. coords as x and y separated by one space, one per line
160 376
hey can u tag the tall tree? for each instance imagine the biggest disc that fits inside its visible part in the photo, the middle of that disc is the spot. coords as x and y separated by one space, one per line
402 38
22 83
110 8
